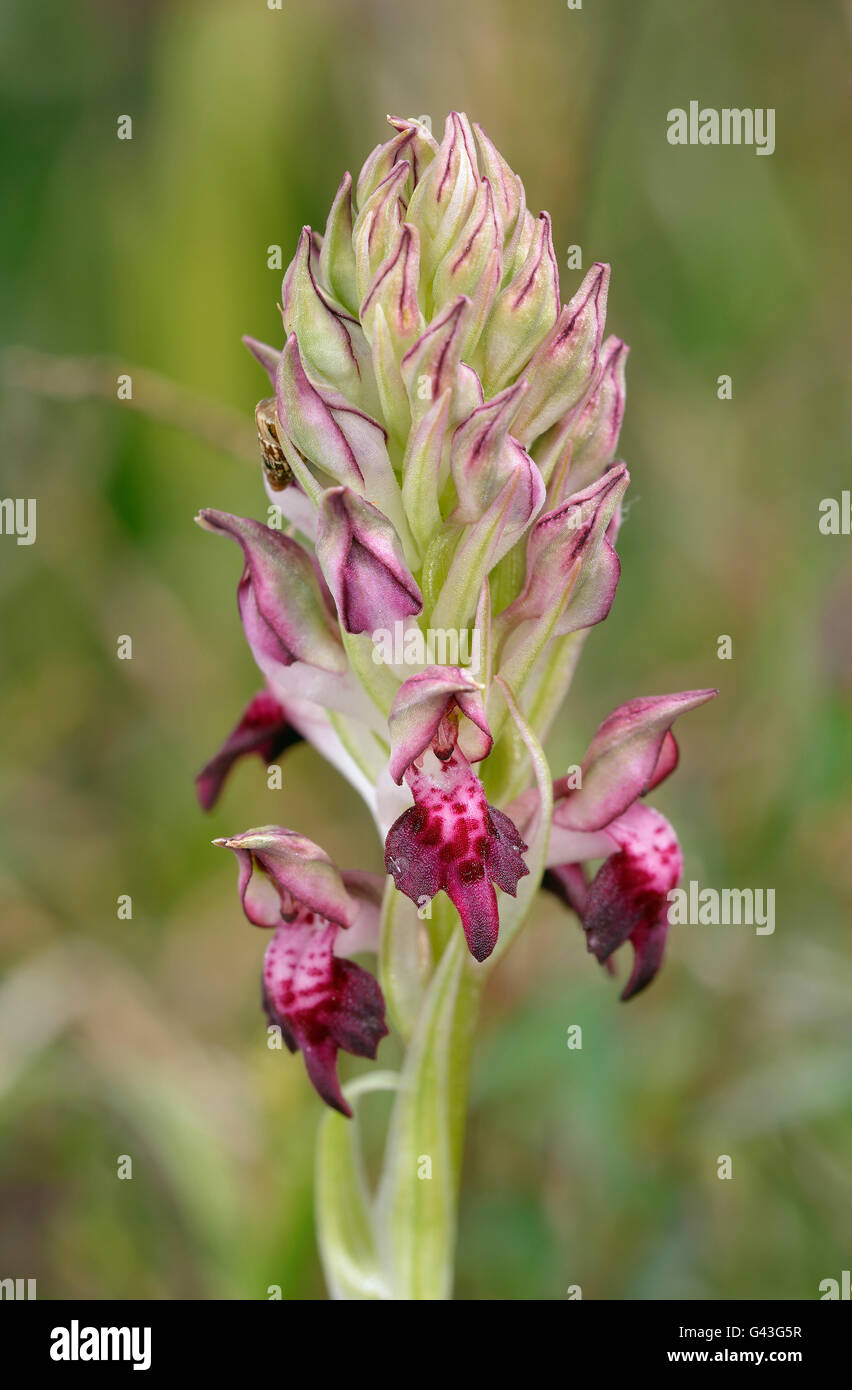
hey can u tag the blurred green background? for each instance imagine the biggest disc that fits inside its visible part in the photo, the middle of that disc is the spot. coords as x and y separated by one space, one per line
143 1037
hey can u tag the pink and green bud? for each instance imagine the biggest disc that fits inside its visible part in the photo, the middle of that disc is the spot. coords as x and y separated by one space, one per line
331 341
499 492
378 225
392 322
484 456
432 365
572 570
509 199
444 196
413 144
596 425
337 257
562 372
473 266
394 293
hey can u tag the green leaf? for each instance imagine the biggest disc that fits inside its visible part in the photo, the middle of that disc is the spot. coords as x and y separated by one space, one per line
345 1230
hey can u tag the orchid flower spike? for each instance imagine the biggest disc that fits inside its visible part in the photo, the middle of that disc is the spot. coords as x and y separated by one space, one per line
439 453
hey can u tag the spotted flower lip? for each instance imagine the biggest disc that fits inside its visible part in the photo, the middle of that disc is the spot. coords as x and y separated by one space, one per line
452 839
321 1002
628 897
264 728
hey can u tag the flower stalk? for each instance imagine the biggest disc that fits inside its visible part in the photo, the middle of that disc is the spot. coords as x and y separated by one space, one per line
439 458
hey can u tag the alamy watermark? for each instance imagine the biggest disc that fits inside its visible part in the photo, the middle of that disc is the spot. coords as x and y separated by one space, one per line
76 1343
17 1289
18 518
709 907
730 125
411 646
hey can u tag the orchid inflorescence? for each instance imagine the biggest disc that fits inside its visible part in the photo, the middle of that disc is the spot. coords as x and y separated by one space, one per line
438 453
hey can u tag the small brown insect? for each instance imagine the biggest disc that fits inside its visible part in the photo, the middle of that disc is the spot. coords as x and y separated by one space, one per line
275 464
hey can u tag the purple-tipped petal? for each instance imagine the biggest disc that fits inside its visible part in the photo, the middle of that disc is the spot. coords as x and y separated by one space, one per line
301 873
420 707
284 610
363 563
628 755
264 729
267 356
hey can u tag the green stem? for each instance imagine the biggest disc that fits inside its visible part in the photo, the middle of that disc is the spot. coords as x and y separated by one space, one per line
416 1212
